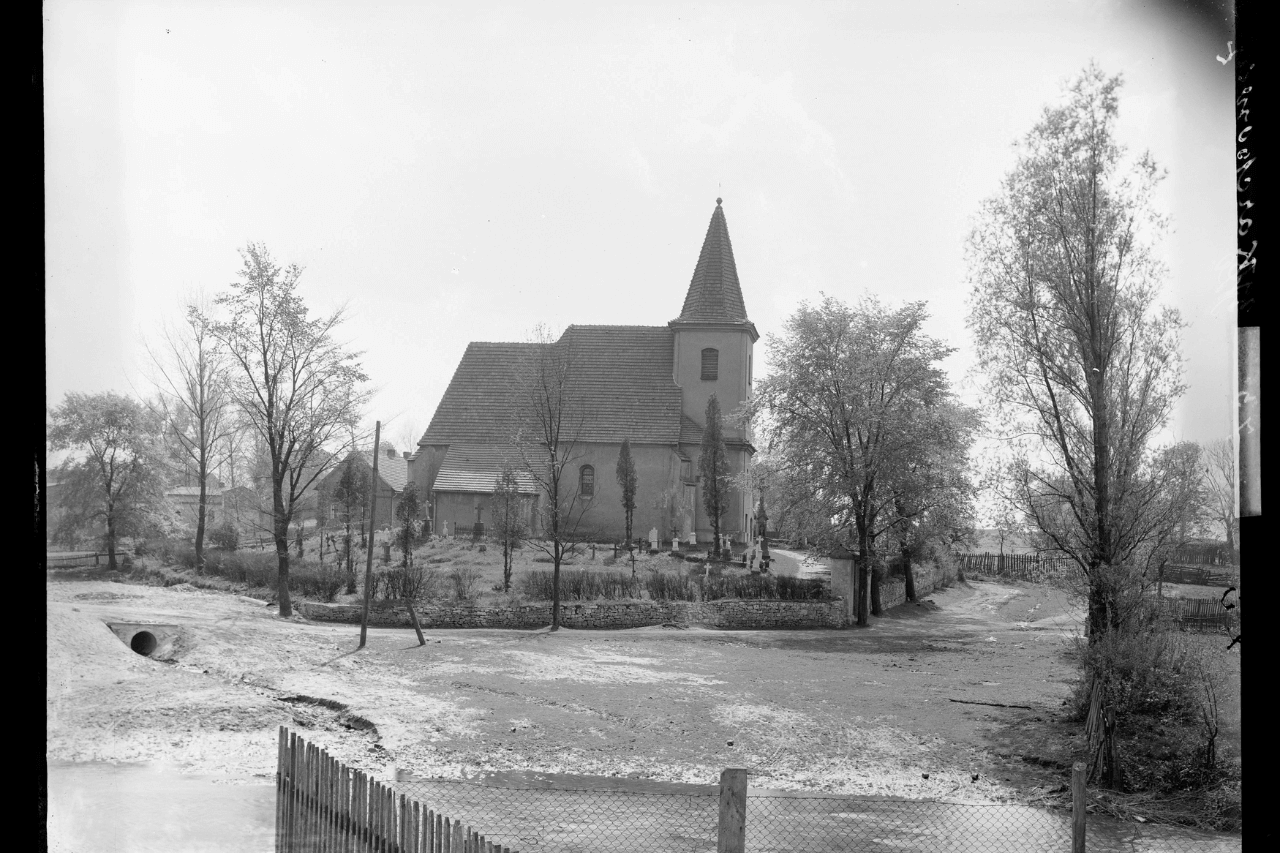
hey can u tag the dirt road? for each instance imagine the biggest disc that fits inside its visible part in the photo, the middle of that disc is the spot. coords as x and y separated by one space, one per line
861 711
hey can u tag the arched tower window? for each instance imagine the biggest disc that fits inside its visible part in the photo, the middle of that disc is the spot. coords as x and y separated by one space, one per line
710 363
586 481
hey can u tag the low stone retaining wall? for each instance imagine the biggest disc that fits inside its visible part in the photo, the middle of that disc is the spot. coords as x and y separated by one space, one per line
742 614
893 591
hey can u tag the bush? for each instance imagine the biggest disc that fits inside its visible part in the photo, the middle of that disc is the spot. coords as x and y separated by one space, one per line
255 568
464 582
320 583
587 585
415 582
225 537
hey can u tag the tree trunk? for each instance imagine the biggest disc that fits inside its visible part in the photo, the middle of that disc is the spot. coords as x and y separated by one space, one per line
555 586
877 607
1098 609
862 566
908 574
111 540
506 565
715 532
201 510
282 554
351 572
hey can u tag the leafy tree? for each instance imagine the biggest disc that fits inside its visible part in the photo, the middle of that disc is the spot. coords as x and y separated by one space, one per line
1221 489
846 405
296 385
550 419
192 380
1082 362
508 519
928 476
409 514
112 479
627 481
713 470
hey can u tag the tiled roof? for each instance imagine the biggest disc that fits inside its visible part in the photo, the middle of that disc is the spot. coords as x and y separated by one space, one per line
392 470
690 430
624 372
621 375
476 407
475 468
714 293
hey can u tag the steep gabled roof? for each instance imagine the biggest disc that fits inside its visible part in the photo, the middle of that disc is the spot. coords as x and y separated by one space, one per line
475 468
476 407
714 294
619 378
624 375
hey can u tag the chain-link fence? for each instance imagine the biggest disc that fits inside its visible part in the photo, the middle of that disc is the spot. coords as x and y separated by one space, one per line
567 820
321 805
534 820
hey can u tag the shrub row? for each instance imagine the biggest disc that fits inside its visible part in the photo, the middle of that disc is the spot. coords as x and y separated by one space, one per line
588 585
252 568
425 582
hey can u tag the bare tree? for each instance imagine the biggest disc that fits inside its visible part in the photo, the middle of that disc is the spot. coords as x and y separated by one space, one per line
550 419
509 513
1223 489
298 387
1081 360
193 380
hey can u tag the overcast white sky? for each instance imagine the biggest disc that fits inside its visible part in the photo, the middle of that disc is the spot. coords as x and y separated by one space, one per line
462 171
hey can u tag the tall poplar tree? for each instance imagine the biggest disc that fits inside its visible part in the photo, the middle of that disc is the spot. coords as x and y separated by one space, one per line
713 470
627 481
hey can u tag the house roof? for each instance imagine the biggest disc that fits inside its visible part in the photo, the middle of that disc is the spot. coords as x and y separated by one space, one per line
475 468
392 470
715 295
690 430
192 492
619 381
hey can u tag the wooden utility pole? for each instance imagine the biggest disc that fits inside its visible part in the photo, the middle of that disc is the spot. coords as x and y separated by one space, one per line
373 508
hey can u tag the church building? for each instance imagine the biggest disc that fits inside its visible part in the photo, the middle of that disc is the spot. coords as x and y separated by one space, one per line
647 384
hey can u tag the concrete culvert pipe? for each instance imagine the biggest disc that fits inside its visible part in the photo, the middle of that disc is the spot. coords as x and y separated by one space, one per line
144 643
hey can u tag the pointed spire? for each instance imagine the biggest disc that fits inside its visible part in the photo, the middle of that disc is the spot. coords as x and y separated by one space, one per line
714 293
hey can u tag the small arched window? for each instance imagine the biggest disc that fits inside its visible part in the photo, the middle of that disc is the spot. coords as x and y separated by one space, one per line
586 481
710 363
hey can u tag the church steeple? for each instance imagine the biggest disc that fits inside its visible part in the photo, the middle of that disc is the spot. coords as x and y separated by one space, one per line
714 294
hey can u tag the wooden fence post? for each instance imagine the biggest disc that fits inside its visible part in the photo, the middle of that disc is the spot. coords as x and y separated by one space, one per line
1078 773
732 836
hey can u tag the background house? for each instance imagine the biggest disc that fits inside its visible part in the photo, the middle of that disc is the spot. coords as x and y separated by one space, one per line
393 476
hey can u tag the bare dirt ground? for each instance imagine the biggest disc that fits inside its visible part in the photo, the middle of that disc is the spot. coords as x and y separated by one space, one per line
865 711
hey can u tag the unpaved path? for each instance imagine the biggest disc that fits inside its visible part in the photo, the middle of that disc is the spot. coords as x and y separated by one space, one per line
859 711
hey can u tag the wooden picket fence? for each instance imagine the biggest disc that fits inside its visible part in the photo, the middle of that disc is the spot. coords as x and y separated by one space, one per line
74 559
322 805
1025 567
1201 614
1202 575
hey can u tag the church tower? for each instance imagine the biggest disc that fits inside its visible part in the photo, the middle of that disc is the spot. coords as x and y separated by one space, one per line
713 355
713 337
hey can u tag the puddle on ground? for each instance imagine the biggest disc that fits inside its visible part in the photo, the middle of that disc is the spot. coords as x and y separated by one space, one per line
109 808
